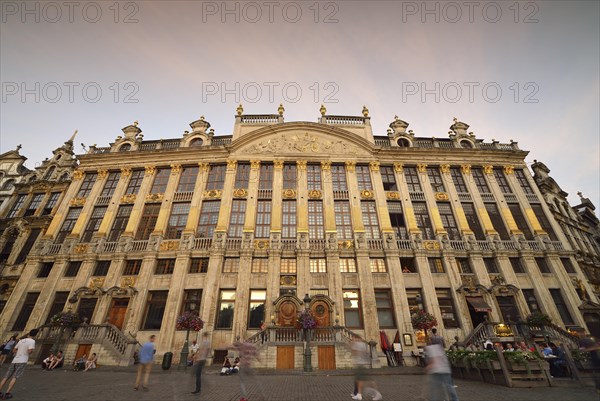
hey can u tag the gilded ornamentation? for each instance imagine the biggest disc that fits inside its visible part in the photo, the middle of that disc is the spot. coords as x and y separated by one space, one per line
169 245
254 164
150 170
231 164
81 248
127 282
77 202
422 168
77 175
441 196
488 169
315 194
205 167
212 194
102 174
239 110
298 143
398 167
278 164
175 168
289 193
240 193
287 280
445 168
323 110
125 172
261 244
366 194
326 165
347 244
41 186
280 109
301 164
508 170
503 330
374 166
96 283
128 198
431 245
465 168
392 195
498 280
350 166
155 198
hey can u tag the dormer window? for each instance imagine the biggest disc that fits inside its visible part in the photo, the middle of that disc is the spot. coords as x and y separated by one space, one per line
49 172
466 144
403 143
196 142
126 147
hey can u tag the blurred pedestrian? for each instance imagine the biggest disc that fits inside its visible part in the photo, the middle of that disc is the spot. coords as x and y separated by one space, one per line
362 382
247 353
7 348
439 374
591 345
146 360
22 350
199 360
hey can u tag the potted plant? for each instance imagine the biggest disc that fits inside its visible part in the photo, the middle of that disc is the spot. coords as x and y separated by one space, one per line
582 359
306 320
189 321
421 320
522 360
539 319
65 319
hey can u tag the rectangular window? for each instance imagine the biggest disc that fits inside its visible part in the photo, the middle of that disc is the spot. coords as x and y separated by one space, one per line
543 265
135 182
370 221
225 309
490 265
237 218
568 265
448 220
191 301
464 266
165 266
52 201
473 221
531 300
563 310
148 221
187 180
378 265
60 300
423 220
502 181
343 219
338 177
242 176
290 177
260 265
385 309
517 214
352 309
288 219
318 265
87 185
16 206
73 269
155 309
209 215
28 306
435 179
544 222
132 267
101 268
436 265
28 246
231 265
313 175
34 204
508 308
447 309
94 223
397 219
388 178
177 220
363 176
111 183
480 181
216 176
8 246
347 265
316 229
256 315
45 269
523 182
458 180
408 265
412 179
120 222
413 295
497 221
266 177
517 265
263 219
288 266
161 179
198 265
68 224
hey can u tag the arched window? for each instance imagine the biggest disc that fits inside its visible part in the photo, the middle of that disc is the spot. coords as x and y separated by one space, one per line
403 143
8 185
126 147
49 172
32 178
64 177
466 144
196 142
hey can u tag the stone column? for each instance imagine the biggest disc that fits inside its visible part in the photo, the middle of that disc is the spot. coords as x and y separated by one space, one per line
276 200
302 197
64 205
523 201
484 217
139 199
461 218
113 207
383 214
196 204
165 208
89 205
409 214
328 202
430 200
354 197
226 197
250 218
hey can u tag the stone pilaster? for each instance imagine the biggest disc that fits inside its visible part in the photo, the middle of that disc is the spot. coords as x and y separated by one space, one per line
140 198
165 208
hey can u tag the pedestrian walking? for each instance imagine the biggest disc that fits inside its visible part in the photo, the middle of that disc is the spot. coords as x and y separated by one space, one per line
199 360
247 354
22 350
439 374
362 383
7 348
145 366
436 338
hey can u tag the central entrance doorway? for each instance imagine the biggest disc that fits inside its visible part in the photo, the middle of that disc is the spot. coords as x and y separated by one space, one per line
321 312
118 311
288 312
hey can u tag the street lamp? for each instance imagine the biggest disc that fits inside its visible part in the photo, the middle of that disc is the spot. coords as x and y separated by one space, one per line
307 352
185 351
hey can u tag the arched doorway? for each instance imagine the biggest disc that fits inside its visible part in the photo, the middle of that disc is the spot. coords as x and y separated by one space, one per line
288 312
321 307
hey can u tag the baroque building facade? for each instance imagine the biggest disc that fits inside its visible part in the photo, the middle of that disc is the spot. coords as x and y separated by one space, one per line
255 226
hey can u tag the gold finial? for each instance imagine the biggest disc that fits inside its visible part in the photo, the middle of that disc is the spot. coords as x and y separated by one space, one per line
365 111
396 117
280 109
239 110
323 110
201 118
135 123
455 120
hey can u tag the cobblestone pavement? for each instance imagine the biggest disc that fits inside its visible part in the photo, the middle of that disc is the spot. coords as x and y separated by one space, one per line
37 385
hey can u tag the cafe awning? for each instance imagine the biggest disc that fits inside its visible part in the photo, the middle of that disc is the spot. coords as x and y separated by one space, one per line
478 304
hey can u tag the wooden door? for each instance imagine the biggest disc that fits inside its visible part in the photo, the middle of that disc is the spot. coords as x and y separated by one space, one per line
287 314
117 311
326 354
84 349
285 357
321 312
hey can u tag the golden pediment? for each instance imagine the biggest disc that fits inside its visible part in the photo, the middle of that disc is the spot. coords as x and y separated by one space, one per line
304 143
240 193
315 194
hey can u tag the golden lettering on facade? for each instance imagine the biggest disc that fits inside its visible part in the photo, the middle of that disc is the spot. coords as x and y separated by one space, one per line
150 170
240 193
301 164
231 164
431 245
508 170
77 202
398 167
326 165
128 198
77 175
102 174
422 168
488 169
465 168
445 168
175 168
315 194
125 172
254 164
374 166
350 166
